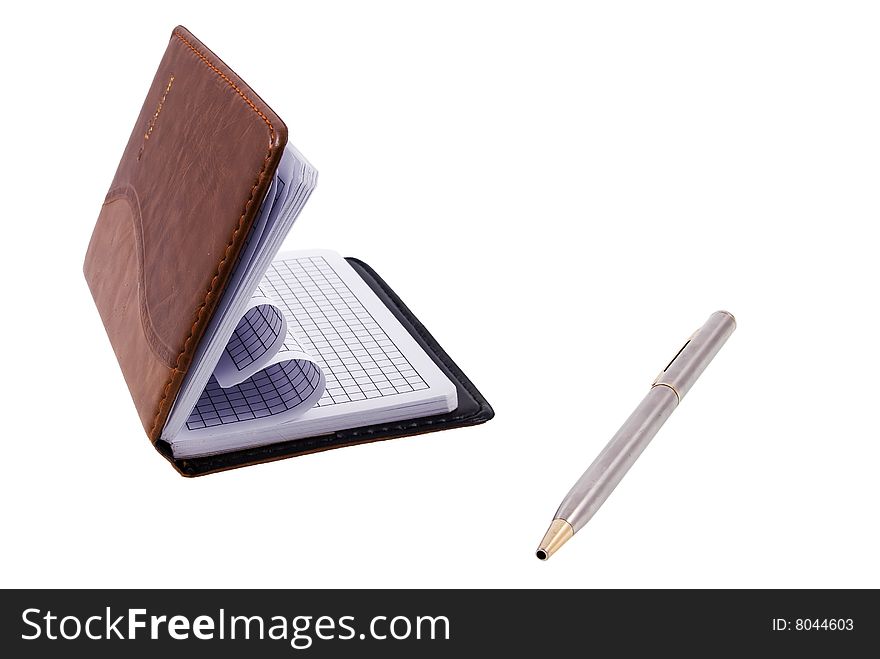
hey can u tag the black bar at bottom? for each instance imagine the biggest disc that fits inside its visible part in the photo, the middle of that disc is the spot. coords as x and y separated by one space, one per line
536 623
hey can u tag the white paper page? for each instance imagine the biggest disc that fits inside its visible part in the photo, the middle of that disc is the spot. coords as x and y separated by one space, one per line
365 352
373 369
285 389
257 338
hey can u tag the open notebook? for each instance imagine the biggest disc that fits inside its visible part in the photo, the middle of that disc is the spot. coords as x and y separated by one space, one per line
233 355
299 346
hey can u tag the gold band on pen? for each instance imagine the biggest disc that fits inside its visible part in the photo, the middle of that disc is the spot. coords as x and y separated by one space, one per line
666 384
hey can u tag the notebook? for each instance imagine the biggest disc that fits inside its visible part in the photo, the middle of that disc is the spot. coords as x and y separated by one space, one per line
234 354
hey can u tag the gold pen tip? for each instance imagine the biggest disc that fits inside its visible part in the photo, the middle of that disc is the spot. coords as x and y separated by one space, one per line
558 534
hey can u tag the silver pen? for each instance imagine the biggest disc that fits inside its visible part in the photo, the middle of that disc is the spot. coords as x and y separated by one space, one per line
609 467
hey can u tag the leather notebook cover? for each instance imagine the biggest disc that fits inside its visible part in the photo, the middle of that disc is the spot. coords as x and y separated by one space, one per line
197 165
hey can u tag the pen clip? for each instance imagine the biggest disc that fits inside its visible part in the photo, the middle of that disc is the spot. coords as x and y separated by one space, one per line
677 355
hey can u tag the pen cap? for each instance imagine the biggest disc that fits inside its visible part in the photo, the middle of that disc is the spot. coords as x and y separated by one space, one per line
693 358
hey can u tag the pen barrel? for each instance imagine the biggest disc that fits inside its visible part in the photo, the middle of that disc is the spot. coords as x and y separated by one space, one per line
610 466
693 358
669 388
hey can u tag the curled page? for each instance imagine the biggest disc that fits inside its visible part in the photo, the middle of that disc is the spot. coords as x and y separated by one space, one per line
264 373
282 391
257 338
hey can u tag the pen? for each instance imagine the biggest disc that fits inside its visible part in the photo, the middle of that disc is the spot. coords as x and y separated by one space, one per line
609 467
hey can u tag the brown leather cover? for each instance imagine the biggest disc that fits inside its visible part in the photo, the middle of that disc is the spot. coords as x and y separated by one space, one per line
190 182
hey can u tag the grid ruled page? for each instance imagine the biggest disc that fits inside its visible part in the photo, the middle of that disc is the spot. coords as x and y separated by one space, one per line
255 335
360 365
278 388
360 361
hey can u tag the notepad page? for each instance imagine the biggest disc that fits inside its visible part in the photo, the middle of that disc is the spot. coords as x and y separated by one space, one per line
263 326
279 388
375 371
359 359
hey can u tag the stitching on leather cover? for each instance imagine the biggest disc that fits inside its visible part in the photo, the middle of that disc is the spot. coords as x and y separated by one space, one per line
214 280
229 82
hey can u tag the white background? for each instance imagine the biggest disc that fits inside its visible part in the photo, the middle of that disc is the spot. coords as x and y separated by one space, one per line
562 193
